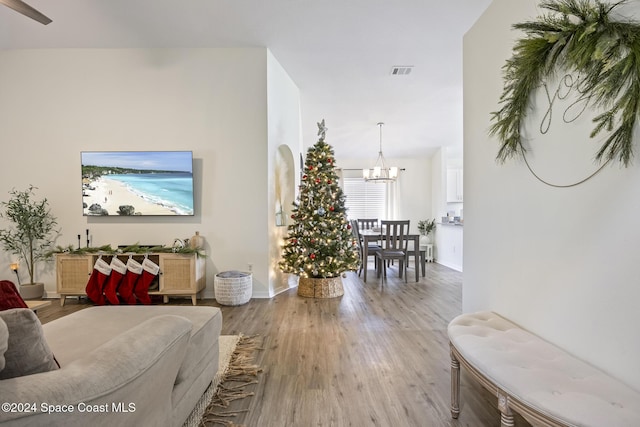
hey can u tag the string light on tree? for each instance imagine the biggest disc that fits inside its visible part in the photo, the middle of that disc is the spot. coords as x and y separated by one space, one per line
320 242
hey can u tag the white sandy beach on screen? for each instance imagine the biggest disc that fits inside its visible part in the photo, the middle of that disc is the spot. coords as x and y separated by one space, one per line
116 194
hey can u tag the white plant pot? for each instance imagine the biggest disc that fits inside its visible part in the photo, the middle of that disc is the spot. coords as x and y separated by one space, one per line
425 240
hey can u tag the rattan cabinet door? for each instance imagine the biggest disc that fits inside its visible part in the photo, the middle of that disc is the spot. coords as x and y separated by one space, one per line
176 273
181 275
72 274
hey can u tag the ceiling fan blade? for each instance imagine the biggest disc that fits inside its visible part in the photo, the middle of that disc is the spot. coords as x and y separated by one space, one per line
26 10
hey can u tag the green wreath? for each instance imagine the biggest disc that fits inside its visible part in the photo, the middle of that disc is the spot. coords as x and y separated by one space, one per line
580 36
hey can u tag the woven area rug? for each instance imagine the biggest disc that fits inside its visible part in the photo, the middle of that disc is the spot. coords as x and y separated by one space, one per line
236 371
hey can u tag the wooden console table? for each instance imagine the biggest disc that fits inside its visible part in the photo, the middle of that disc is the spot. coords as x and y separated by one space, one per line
180 274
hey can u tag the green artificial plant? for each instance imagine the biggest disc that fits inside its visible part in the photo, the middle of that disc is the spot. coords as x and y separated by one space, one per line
32 231
577 36
426 226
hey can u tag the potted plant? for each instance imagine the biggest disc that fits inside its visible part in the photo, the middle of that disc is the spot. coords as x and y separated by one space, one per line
425 227
30 236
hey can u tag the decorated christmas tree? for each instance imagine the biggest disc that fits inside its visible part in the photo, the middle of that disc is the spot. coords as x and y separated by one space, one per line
320 242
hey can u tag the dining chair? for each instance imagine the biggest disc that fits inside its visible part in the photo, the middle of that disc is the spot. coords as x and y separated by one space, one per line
367 224
372 248
394 246
422 257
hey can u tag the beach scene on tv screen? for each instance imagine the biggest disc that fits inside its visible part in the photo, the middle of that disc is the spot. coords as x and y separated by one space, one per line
137 183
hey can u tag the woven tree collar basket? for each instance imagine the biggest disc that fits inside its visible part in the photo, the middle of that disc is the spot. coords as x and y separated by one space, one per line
320 288
233 287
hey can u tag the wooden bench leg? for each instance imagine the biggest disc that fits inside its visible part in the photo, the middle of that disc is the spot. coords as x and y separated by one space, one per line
455 387
506 416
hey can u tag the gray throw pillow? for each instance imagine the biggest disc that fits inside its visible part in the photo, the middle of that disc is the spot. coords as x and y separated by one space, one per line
28 352
4 342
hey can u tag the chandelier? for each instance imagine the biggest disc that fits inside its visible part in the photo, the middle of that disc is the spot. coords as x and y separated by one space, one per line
380 172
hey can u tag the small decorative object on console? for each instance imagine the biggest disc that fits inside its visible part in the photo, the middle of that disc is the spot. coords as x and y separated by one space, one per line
197 241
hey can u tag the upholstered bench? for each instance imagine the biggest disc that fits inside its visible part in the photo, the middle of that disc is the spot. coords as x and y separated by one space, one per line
534 378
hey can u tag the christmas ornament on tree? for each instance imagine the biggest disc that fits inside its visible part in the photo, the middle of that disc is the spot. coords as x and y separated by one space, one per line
320 242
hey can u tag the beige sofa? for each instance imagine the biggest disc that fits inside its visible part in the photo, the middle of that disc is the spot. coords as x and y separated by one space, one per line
119 365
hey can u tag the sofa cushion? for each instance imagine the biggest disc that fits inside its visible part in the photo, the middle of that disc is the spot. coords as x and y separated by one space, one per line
94 326
27 350
9 296
4 342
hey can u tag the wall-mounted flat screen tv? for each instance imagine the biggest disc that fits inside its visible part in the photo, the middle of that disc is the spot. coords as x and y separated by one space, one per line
130 183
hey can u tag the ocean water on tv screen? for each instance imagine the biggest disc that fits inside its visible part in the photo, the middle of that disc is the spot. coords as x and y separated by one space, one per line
173 190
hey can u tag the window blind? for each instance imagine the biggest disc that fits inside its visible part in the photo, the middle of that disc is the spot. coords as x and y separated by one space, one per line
364 200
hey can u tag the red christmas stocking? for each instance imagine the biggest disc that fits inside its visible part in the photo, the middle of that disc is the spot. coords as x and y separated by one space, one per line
149 271
99 275
134 270
118 270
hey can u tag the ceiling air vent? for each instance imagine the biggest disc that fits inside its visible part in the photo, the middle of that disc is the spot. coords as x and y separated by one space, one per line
401 70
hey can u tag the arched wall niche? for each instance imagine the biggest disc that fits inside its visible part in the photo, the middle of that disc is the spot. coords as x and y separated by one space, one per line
284 184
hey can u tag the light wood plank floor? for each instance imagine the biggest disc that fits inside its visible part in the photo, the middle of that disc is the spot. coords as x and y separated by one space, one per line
378 356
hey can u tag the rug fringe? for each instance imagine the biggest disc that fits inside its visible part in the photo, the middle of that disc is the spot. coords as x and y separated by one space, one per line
242 371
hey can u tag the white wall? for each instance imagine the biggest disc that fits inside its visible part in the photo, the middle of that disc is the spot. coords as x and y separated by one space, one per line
57 103
438 184
560 262
284 129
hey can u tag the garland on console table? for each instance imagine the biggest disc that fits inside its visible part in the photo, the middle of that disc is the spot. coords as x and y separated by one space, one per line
133 249
579 36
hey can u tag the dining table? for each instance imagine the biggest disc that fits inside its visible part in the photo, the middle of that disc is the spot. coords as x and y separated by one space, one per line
371 236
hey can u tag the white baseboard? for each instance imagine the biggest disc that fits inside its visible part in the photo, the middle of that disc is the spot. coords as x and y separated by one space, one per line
451 266
260 295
